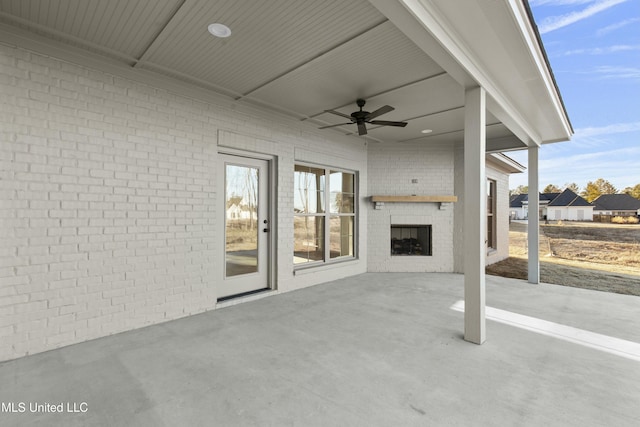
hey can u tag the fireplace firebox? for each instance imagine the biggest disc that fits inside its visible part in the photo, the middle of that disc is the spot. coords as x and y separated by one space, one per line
411 240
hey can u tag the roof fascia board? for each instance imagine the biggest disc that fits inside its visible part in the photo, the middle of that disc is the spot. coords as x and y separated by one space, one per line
505 162
497 102
529 29
442 43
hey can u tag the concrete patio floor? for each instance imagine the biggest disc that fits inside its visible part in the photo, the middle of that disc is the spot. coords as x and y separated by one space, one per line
371 350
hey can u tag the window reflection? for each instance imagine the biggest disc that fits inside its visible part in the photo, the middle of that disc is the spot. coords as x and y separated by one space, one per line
341 236
309 187
241 224
308 232
342 192
319 237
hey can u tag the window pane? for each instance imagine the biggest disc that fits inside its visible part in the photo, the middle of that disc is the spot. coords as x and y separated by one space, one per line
491 210
241 223
342 192
308 238
347 203
341 236
309 187
491 192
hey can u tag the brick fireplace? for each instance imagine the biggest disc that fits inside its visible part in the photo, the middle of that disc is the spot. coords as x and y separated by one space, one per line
411 240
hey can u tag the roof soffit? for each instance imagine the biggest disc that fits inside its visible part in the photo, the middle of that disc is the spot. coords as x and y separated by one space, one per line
511 69
293 57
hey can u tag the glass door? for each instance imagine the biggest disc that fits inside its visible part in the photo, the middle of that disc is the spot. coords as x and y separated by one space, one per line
246 225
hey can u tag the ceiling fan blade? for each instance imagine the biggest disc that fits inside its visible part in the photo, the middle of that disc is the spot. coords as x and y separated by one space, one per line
387 123
380 111
332 126
362 128
338 113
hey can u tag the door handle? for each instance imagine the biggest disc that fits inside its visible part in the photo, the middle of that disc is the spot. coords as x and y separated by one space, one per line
265 230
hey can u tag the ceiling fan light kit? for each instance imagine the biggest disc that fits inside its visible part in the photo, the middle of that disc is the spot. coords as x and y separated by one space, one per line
361 117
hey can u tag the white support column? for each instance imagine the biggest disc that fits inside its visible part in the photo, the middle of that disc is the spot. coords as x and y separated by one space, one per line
475 214
533 230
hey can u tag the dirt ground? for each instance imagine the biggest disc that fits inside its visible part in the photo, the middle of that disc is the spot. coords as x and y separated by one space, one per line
603 257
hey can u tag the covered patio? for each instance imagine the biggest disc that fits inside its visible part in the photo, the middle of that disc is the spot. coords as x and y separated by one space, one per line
369 350
120 135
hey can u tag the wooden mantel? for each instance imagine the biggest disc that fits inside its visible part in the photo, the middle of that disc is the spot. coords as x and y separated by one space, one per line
415 199
444 201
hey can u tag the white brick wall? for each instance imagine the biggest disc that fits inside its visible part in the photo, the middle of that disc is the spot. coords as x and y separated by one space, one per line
108 196
439 170
107 205
502 208
502 211
391 169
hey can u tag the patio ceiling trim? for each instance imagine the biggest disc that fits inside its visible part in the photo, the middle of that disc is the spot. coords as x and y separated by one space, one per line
179 11
39 31
491 44
311 61
374 95
148 74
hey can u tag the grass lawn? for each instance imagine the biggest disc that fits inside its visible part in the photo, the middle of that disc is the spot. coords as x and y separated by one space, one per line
604 257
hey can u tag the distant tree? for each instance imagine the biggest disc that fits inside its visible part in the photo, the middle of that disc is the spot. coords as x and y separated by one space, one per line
591 192
520 189
633 191
551 189
596 188
573 187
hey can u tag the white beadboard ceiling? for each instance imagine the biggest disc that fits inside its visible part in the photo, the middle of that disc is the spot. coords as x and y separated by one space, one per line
300 57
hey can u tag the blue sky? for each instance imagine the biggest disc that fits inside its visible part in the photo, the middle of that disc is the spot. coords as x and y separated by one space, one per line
594 50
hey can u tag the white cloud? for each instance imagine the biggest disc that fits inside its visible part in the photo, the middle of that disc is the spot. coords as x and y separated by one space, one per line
601 156
593 137
610 72
553 23
607 130
558 2
602 50
590 139
612 165
616 26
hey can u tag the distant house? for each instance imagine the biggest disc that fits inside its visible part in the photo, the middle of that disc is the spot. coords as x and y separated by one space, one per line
238 212
616 205
237 209
566 206
518 207
519 204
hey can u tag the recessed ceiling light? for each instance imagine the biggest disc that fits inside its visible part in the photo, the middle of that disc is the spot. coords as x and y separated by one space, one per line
219 30
427 131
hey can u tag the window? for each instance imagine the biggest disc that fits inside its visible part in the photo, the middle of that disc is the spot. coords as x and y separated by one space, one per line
324 215
491 214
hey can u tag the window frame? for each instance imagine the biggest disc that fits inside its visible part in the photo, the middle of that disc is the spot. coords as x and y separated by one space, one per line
327 215
492 205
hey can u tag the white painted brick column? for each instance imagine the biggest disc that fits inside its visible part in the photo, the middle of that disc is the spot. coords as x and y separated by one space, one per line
533 228
475 215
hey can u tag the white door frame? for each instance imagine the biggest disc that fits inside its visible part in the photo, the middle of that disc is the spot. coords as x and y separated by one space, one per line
263 279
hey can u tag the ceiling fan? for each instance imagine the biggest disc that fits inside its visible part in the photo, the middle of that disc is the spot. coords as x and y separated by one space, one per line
362 117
